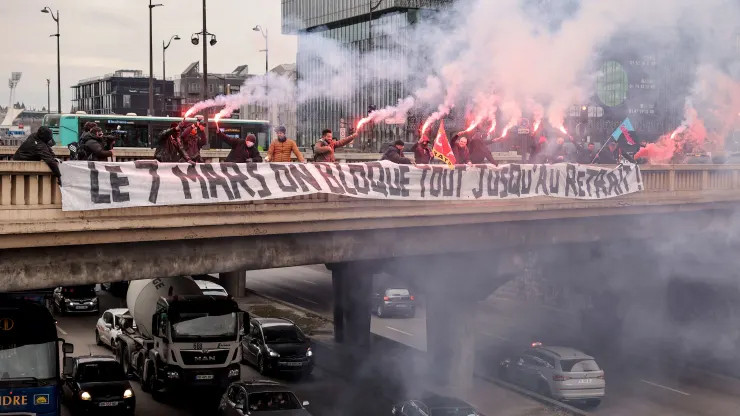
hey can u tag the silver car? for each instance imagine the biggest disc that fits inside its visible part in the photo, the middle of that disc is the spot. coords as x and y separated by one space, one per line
562 373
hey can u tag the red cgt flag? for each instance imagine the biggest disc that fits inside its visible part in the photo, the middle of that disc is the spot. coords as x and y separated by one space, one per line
442 149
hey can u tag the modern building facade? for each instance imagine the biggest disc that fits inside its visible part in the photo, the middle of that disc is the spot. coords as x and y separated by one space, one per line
279 114
354 24
189 85
122 92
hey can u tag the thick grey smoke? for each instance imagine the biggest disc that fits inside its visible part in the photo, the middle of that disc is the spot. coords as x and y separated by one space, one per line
510 56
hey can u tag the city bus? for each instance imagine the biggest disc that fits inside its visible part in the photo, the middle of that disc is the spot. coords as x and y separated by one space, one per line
132 131
30 374
52 122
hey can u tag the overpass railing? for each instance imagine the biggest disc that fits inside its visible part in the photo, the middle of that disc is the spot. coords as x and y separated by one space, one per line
30 185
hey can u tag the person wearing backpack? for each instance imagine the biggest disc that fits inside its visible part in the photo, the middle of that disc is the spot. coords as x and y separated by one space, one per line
77 150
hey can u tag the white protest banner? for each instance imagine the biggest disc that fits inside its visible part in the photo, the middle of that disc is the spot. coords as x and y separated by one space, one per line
145 183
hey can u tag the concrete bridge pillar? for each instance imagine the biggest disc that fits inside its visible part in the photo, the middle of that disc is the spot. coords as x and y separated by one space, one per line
352 287
234 282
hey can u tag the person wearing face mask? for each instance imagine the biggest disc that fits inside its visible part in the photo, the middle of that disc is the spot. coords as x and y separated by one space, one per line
281 149
242 151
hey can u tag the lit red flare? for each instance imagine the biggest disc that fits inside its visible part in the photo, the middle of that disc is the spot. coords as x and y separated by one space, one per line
361 123
493 127
536 126
473 125
425 127
217 118
563 130
678 131
188 113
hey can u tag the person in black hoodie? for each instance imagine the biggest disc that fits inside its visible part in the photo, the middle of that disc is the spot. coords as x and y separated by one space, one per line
170 148
479 151
242 151
99 147
38 147
395 154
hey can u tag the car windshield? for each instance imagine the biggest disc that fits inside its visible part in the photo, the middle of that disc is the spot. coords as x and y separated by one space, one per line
77 292
283 334
397 292
453 411
100 372
273 401
579 366
28 361
203 324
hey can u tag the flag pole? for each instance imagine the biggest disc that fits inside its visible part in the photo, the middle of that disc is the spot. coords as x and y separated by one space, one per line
602 148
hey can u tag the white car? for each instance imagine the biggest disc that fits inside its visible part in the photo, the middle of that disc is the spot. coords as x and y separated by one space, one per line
108 327
211 289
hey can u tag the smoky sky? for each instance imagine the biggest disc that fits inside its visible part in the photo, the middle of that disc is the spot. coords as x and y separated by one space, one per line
102 36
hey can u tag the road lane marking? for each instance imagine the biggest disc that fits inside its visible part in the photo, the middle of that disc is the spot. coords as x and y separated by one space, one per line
305 300
664 387
61 330
308 281
398 330
496 336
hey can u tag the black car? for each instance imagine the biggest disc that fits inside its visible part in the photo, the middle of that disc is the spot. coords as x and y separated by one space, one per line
260 397
274 344
97 384
397 302
75 299
434 405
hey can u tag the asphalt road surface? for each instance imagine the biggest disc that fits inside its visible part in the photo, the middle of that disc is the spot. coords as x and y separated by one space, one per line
636 385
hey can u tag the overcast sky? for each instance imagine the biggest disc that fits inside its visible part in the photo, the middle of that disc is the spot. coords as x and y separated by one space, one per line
101 36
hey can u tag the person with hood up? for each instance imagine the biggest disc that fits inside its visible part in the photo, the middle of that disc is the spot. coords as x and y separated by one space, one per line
99 147
193 139
281 149
422 152
170 148
479 151
323 151
242 151
395 154
38 146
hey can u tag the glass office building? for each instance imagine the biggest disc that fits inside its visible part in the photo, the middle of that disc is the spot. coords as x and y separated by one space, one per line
349 23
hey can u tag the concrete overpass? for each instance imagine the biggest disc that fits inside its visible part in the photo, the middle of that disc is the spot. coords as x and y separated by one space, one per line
462 250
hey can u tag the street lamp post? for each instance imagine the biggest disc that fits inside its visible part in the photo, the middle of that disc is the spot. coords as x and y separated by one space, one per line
373 86
164 71
265 34
48 96
194 38
59 67
150 111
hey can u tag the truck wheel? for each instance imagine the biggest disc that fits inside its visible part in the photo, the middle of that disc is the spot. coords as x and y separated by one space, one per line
124 360
148 382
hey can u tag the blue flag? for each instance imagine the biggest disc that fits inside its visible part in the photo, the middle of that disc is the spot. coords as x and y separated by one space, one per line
618 132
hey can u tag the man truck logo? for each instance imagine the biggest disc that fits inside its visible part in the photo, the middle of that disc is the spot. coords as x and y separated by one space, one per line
205 358
39 399
6 324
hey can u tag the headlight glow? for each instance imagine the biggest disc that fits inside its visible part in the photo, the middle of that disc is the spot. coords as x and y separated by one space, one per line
272 353
85 396
128 393
309 353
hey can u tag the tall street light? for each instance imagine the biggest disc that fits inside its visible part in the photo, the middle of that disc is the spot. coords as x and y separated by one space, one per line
150 110
164 72
264 33
194 38
59 67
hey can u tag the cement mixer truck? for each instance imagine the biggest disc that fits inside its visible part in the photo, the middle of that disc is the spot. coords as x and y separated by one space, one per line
182 338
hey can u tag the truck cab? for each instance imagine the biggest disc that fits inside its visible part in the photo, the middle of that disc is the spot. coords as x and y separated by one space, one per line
194 342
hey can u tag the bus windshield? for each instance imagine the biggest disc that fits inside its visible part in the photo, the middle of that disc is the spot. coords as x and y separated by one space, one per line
32 361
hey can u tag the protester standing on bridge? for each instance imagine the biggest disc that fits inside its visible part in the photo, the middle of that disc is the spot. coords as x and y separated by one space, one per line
395 154
323 151
479 151
610 155
586 156
242 151
38 147
99 147
281 149
170 148
460 149
422 152
193 139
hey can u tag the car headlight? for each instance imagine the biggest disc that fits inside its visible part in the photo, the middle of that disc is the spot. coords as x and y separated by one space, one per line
272 353
173 374
67 301
128 393
85 396
309 353
95 300
234 372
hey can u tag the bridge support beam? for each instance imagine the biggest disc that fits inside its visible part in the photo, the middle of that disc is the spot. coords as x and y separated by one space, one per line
234 282
352 287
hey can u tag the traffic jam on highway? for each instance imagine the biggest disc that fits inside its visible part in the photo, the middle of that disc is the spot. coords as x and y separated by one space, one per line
178 336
